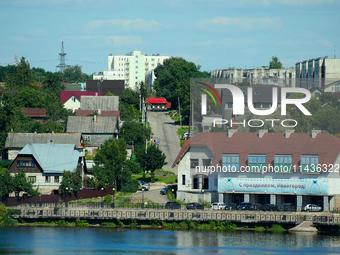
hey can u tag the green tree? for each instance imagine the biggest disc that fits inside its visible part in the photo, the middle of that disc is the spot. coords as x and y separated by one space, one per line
21 77
275 63
151 159
20 183
171 74
52 84
134 133
110 160
6 182
71 182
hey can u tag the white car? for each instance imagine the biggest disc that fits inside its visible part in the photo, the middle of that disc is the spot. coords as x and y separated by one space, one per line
312 208
218 206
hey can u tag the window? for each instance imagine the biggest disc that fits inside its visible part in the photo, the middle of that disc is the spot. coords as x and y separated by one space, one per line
136 62
195 181
283 163
231 163
136 72
32 179
309 164
193 163
206 162
256 162
22 163
47 178
152 59
183 179
152 64
87 138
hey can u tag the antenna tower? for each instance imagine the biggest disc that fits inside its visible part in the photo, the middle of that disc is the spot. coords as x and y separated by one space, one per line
62 66
16 60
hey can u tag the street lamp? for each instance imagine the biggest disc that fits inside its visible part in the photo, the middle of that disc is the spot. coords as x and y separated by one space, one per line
233 198
102 194
113 198
265 197
202 195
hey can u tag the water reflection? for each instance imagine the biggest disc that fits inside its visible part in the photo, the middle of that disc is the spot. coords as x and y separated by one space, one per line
45 240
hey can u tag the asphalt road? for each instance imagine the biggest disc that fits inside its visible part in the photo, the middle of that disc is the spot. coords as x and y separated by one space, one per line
152 194
164 129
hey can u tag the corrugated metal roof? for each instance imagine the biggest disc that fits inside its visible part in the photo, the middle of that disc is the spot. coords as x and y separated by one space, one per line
92 124
19 140
104 103
53 158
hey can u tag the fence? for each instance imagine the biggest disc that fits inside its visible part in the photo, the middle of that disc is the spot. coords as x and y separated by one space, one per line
85 193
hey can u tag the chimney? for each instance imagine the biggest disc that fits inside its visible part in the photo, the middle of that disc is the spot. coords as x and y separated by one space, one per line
262 132
52 131
315 132
99 112
231 132
96 94
35 131
288 133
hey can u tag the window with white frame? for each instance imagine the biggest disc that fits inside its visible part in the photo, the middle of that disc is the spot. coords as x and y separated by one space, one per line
231 162
283 163
309 163
256 162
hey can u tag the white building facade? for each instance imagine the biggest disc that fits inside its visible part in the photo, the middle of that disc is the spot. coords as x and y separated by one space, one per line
133 66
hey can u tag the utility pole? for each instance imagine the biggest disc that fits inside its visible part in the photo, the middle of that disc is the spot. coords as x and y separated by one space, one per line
180 118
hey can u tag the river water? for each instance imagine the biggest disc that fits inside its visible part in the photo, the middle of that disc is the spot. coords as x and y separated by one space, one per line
58 240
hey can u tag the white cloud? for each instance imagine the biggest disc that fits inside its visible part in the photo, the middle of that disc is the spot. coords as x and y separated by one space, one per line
37 33
116 40
125 24
305 2
245 24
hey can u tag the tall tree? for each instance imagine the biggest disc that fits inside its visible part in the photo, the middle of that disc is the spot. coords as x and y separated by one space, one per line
110 160
134 133
71 182
171 74
275 63
20 183
151 160
22 76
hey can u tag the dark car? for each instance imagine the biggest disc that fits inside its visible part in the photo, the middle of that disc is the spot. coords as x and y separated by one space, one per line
172 205
269 207
255 206
287 207
244 206
192 206
170 187
231 206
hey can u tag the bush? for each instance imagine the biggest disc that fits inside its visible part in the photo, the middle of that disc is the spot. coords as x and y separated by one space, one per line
277 228
108 199
81 223
109 224
183 225
259 229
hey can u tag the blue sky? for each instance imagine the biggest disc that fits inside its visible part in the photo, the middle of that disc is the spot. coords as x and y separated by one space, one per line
211 33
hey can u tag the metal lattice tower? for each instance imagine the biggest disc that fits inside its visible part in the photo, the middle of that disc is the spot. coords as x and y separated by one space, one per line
62 66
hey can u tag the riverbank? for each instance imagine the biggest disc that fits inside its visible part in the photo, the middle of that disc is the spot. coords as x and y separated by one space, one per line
154 224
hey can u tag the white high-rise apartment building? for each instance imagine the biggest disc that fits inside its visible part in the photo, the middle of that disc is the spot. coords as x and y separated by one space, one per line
133 66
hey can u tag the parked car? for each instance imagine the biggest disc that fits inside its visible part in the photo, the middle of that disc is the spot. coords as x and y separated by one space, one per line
143 185
287 207
217 206
169 187
312 208
255 207
186 135
172 205
244 206
231 206
269 207
192 206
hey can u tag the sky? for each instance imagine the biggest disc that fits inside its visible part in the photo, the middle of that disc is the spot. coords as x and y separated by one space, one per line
214 34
